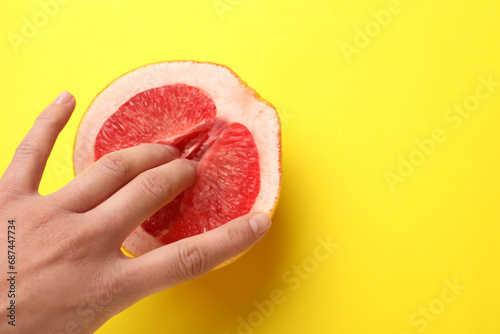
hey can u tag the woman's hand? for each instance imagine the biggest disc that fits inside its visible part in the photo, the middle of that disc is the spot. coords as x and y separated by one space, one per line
71 275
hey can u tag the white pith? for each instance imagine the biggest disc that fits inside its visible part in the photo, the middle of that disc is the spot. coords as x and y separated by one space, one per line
235 102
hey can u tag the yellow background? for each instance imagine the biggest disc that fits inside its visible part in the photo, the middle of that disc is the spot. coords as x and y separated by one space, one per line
345 125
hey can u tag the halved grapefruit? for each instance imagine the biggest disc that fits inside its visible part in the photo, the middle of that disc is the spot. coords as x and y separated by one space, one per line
214 118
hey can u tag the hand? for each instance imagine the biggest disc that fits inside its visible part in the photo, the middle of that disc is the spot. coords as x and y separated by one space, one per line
71 274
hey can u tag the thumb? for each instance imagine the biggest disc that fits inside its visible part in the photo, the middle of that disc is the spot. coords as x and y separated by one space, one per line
192 257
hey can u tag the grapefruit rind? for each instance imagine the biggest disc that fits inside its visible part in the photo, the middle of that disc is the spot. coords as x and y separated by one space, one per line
235 102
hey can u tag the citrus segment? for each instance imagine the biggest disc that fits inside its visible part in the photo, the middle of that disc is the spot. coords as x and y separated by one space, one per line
213 118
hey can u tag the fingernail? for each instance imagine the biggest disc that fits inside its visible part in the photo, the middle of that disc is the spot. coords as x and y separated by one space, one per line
64 97
173 149
260 223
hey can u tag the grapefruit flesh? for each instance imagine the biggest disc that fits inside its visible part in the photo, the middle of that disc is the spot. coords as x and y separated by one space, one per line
213 118
228 179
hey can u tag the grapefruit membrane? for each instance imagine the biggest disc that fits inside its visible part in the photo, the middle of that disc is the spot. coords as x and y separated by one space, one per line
213 118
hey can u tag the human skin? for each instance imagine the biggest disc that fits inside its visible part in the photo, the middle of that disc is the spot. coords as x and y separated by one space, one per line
71 274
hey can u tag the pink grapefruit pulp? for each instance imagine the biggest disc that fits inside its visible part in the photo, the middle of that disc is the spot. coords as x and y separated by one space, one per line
213 118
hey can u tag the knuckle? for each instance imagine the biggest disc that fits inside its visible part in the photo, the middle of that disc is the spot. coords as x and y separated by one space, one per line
76 247
9 191
29 149
192 262
108 285
105 288
69 248
42 218
69 244
155 187
115 164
